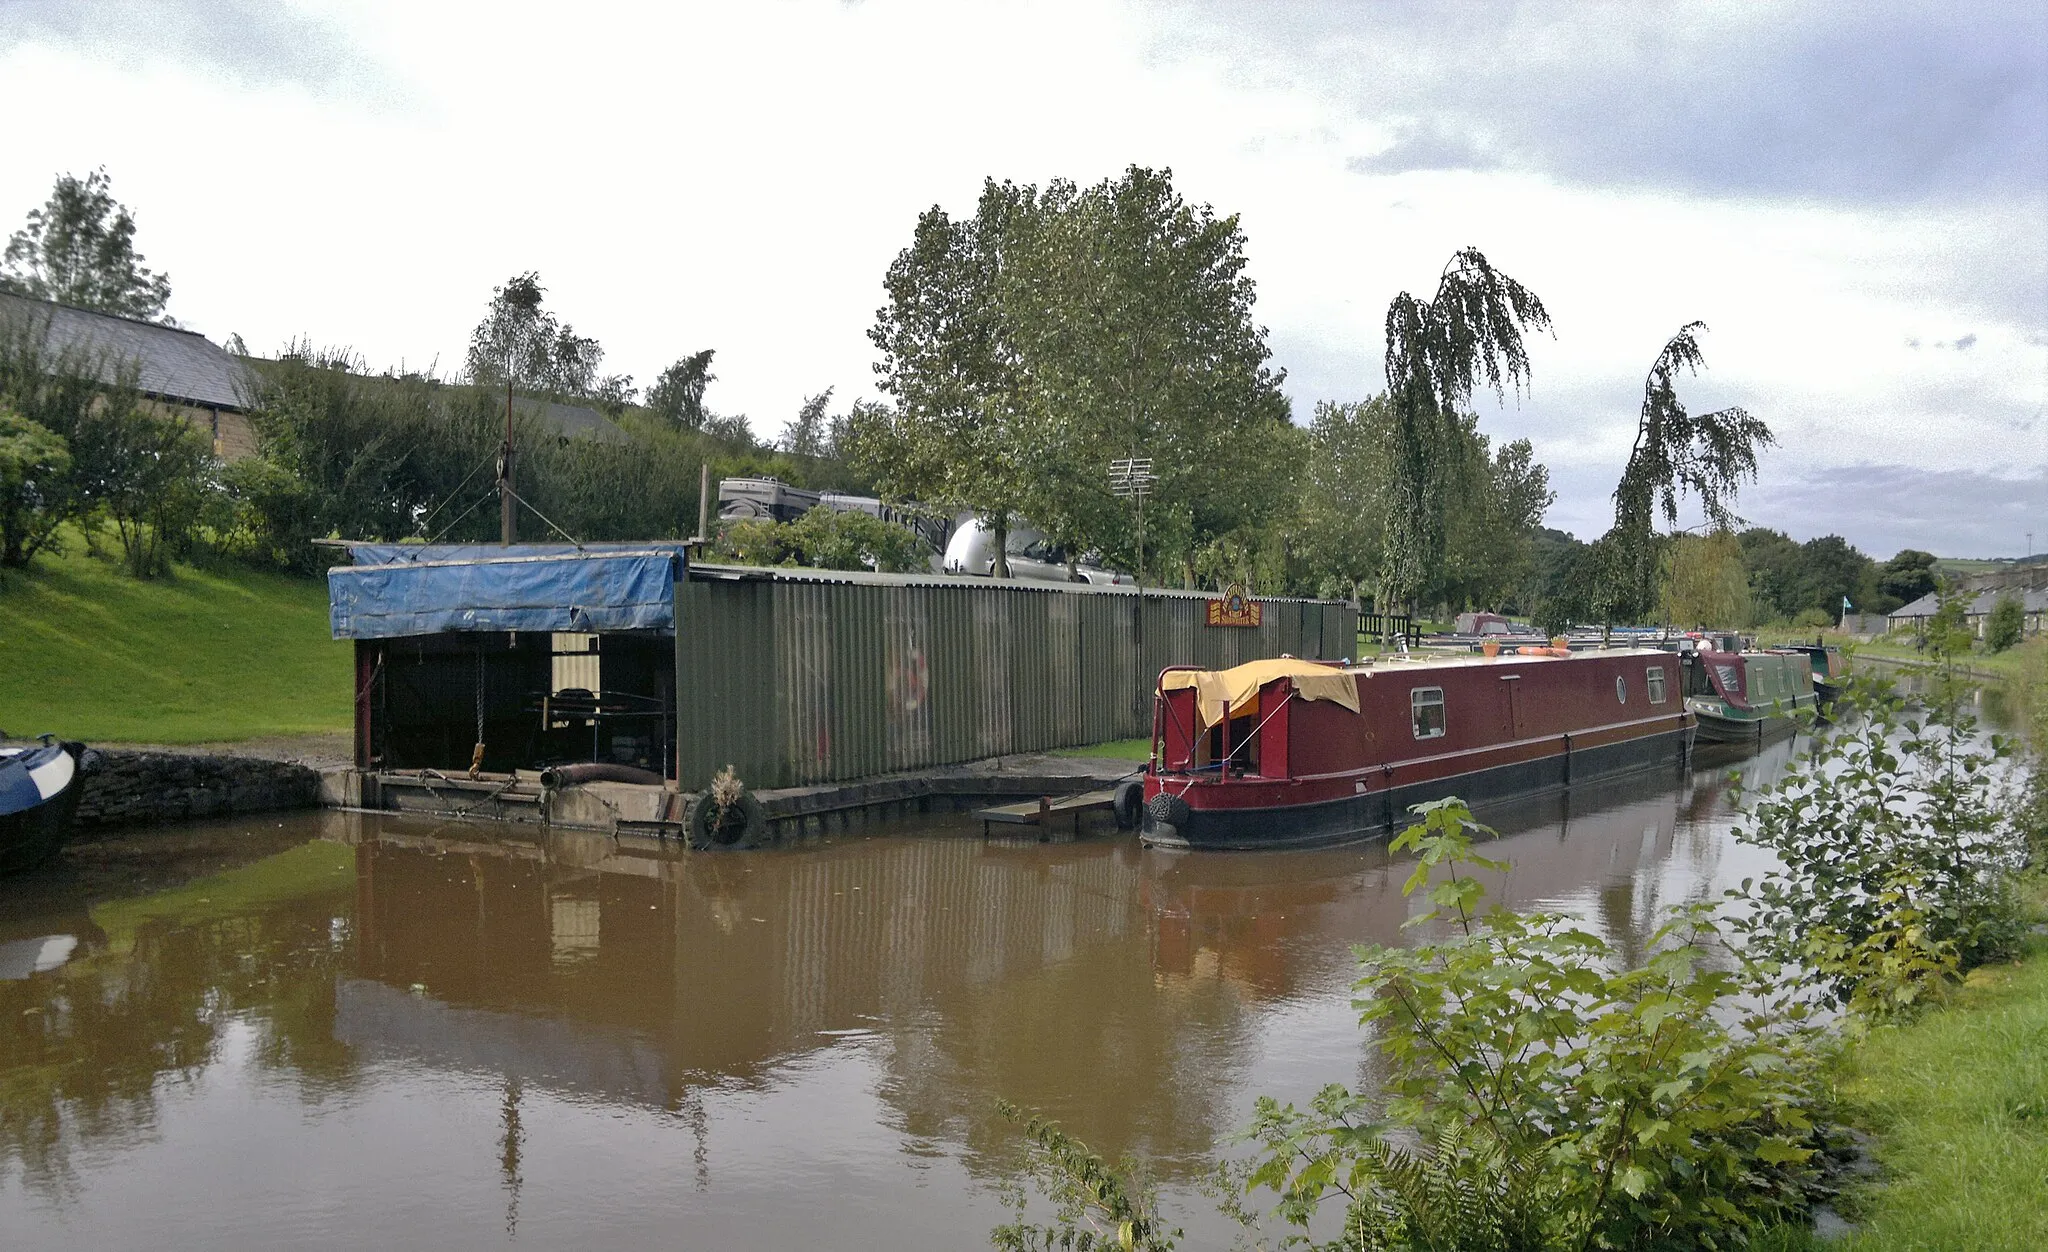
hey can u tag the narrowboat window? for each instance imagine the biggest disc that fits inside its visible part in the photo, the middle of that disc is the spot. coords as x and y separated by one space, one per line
1621 688
1427 704
1655 678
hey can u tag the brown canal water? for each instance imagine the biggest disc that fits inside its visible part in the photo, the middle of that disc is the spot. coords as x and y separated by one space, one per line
351 1031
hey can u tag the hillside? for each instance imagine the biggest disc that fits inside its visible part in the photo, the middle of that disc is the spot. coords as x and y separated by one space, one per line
205 656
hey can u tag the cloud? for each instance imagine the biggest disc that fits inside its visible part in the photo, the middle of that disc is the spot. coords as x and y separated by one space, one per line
1835 101
249 41
1883 508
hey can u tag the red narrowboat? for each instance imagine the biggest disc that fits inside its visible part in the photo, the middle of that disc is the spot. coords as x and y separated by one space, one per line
1287 752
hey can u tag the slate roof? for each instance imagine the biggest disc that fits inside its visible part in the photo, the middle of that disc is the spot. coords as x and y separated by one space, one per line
573 421
1980 604
170 364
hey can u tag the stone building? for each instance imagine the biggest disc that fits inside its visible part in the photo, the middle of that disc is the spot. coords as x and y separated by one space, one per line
1976 611
179 371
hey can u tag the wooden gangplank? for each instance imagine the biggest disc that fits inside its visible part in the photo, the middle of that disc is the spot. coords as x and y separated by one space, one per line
1041 811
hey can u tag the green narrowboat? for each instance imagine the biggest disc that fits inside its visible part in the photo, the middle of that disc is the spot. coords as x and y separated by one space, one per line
1749 697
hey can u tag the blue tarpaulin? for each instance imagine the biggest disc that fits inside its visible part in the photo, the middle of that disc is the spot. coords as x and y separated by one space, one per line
401 589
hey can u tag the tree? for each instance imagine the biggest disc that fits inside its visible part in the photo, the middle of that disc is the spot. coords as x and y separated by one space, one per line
156 486
1676 452
34 465
523 341
1704 581
2008 618
1438 351
808 433
1831 570
79 249
1131 315
1493 503
678 394
1339 522
64 392
1907 576
1058 330
955 433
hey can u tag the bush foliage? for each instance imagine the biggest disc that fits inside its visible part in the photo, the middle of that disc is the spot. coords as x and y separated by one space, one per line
1898 839
1536 1091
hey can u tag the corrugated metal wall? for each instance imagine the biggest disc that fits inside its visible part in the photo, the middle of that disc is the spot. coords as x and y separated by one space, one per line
795 677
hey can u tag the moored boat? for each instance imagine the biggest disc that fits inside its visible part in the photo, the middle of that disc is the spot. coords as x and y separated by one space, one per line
1828 668
1290 752
39 791
1749 697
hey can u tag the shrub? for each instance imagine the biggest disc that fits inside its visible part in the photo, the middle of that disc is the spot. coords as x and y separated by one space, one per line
824 539
1097 1206
1897 840
1566 1099
2002 628
1536 1093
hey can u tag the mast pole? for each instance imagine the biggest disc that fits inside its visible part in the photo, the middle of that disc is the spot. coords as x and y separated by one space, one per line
508 521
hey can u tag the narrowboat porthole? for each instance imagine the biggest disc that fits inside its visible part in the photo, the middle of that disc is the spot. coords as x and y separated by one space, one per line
1621 688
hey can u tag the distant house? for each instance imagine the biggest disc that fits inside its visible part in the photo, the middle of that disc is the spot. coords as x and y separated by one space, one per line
2034 604
182 372
179 371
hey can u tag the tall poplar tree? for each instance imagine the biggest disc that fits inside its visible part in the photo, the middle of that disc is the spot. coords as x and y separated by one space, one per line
1133 316
1438 351
954 435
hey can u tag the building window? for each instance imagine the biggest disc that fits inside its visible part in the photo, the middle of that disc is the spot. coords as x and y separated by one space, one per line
1655 677
1427 706
1621 688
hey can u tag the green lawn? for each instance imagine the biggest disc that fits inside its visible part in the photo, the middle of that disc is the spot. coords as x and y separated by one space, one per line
1959 1101
89 653
1115 749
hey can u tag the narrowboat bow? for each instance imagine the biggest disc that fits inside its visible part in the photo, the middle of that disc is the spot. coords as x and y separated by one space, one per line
1289 752
39 790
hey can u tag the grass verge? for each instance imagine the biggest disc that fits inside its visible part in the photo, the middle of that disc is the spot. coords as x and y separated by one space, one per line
1115 749
1959 1101
2010 663
206 655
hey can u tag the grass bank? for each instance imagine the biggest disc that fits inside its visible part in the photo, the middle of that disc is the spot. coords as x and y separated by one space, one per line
206 655
1958 1100
2009 664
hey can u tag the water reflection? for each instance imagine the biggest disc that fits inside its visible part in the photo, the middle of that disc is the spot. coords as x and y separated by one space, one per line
463 1035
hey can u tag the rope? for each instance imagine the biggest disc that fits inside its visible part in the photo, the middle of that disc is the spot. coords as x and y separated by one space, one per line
488 458
476 758
544 517
458 519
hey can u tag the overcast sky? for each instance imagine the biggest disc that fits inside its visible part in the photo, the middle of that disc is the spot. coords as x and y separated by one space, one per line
1853 197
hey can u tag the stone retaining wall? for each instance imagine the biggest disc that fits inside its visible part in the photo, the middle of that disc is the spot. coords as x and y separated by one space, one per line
145 788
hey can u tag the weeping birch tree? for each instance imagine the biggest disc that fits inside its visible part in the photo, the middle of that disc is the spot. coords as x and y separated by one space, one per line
1676 453
1438 351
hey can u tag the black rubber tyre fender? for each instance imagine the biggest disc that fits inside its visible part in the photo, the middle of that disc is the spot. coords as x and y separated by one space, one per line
1129 805
1168 809
745 823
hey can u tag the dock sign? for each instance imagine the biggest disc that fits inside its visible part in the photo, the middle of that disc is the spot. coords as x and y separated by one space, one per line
1235 609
